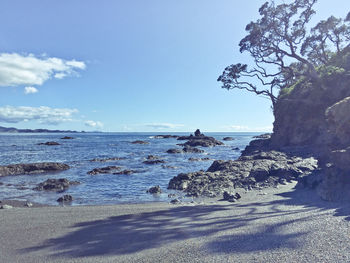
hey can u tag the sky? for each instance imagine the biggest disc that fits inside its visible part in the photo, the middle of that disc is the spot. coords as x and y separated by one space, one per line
129 65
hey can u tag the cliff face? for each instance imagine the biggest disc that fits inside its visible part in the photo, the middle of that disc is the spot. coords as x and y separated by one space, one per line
317 115
300 116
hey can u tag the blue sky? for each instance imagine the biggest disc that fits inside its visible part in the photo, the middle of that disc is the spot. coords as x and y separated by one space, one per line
128 65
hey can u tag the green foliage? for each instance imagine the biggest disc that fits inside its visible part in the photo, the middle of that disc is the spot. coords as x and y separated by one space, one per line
285 92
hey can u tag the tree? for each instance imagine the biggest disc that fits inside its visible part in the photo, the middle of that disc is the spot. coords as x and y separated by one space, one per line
282 48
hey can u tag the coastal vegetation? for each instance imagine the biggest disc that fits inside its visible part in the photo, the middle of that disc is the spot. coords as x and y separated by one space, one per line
286 53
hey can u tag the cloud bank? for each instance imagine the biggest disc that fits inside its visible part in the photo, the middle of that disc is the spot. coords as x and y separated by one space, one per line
30 90
163 125
43 114
16 69
94 124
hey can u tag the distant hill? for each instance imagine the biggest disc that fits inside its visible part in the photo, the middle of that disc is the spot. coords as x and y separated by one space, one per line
15 130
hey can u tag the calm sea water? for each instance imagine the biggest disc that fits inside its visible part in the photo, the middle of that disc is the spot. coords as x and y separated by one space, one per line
104 188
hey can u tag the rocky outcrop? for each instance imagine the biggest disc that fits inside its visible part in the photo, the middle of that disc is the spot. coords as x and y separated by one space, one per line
262 169
189 149
57 185
186 149
32 168
338 123
67 138
200 139
228 139
105 170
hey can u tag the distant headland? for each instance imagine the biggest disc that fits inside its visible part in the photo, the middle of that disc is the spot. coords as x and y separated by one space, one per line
15 130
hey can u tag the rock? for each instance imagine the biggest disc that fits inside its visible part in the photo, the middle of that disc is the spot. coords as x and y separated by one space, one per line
174 151
235 149
57 185
49 143
204 142
200 140
263 169
228 139
139 142
231 197
126 172
104 170
65 198
31 168
28 204
198 159
334 185
157 161
175 201
341 158
338 122
103 160
6 207
67 138
197 133
152 157
188 149
155 190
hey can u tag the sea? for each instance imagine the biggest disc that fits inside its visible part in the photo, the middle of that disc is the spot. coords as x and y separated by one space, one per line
105 189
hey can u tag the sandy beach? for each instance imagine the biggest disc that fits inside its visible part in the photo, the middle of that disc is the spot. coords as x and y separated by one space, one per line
272 225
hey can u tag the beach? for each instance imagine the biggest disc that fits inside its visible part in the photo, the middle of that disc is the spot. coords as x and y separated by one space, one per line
271 225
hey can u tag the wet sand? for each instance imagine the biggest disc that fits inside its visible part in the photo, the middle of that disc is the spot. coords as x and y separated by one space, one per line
273 225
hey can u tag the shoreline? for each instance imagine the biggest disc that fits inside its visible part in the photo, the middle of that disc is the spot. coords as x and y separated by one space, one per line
268 226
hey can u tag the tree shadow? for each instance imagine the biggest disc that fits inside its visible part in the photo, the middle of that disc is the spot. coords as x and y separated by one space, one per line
224 228
127 234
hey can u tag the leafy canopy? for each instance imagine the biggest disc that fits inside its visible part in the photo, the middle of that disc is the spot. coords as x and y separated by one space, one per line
283 49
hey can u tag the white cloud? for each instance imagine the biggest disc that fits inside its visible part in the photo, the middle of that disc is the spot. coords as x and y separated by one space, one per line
94 124
43 114
16 69
30 90
163 125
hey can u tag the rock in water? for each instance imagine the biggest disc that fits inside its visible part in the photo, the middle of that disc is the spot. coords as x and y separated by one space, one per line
55 185
139 142
154 161
105 170
31 168
49 143
65 198
155 190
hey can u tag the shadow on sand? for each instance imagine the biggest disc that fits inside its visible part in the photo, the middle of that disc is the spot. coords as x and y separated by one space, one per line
223 228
